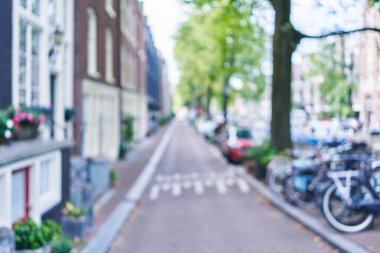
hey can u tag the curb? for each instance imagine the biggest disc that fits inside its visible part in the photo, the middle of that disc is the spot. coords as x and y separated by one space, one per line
108 231
339 241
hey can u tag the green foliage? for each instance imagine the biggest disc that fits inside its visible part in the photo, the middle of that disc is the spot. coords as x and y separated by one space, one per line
113 176
73 211
221 39
262 154
62 245
122 151
7 127
128 132
336 88
29 235
70 114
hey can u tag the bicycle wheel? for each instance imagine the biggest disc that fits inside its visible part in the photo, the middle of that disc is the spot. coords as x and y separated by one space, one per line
276 181
297 190
340 216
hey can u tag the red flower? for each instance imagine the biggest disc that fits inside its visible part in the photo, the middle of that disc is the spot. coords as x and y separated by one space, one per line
30 117
23 115
16 121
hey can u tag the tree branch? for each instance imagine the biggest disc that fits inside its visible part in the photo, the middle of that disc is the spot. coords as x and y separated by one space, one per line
337 33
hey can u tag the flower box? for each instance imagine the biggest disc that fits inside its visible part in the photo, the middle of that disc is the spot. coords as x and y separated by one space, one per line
26 132
74 227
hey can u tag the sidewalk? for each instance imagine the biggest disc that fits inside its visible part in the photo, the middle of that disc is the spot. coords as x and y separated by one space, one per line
363 242
366 241
128 171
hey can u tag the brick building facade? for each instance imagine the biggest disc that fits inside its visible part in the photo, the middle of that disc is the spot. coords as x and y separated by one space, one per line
97 78
133 65
369 83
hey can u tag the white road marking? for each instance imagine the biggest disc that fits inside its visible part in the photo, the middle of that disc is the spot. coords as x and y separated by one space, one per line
198 187
243 185
176 189
221 187
154 192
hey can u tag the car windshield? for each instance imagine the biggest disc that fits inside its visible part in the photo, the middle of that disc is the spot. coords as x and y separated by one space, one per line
243 134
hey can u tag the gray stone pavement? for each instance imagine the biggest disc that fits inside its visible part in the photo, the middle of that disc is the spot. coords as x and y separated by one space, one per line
195 203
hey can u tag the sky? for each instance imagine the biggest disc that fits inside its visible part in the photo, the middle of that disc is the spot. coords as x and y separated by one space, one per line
164 17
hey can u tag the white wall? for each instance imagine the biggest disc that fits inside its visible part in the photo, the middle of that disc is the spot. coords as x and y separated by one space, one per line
39 203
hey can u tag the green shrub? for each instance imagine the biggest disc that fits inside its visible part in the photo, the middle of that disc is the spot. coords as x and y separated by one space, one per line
62 245
73 211
262 154
30 236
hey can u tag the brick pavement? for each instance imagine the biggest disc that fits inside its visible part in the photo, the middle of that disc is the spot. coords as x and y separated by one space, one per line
216 220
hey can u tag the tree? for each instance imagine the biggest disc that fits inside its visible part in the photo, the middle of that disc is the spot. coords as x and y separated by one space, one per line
285 41
217 44
336 87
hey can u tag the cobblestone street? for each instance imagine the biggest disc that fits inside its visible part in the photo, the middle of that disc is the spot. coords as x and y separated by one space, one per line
195 203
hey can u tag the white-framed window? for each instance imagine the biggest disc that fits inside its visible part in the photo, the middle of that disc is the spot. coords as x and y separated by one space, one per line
45 179
19 195
109 56
92 45
32 6
109 8
29 62
124 60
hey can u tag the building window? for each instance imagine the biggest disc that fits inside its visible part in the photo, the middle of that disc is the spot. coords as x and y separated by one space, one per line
124 60
109 8
45 176
29 63
19 195
92 51
35 7
109 56
31 6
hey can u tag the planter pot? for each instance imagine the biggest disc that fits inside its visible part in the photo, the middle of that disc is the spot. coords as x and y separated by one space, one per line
46 249
27 132
4 142
250 166
260 171
72 227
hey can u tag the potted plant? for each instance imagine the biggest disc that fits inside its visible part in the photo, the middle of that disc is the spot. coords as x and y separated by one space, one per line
70 114
31 238
62 245
27 121
74 221
127 135
257 159
6 128
113 177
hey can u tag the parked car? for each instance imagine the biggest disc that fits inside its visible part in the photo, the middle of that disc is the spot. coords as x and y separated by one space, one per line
234 141
207 128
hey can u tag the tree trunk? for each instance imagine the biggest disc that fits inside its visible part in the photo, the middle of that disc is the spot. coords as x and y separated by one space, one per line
208 102
226 97
283 48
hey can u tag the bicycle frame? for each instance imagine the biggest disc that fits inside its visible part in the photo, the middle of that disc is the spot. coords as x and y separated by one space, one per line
343 181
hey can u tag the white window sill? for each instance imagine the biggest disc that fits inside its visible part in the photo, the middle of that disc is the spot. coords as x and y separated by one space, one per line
93 74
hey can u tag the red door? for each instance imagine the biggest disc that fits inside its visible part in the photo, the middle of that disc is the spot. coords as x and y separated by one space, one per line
20 195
